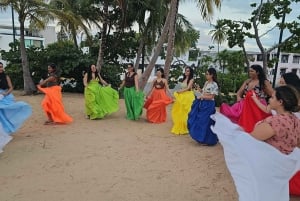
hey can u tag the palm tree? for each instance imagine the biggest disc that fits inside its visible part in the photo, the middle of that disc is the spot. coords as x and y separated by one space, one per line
219 36
206 10
74 16
33 11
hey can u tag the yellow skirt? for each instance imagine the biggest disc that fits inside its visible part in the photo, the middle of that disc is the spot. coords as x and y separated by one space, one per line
180 111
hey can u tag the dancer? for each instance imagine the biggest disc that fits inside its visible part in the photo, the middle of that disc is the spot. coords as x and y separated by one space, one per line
52 103
157 99
293 80
245 112
12 113
183 102
134 99
262 163
199 120
99 100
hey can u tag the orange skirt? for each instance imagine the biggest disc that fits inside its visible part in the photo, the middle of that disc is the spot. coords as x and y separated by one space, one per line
156 106
53 106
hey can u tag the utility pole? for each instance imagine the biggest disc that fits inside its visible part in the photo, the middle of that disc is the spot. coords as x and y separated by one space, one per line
13 23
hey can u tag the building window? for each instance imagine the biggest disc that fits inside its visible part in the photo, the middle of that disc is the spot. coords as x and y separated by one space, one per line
282 71
294 70
284 58
296 59
259 57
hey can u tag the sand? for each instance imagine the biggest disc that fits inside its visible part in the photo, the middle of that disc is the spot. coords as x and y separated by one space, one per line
112 159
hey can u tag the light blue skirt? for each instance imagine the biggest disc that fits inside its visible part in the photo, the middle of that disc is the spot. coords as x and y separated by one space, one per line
13 113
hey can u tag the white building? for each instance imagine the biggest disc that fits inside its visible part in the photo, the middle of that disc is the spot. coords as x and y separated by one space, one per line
288 62
32 38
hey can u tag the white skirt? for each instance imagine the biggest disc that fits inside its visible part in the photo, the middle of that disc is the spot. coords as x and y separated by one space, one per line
260 171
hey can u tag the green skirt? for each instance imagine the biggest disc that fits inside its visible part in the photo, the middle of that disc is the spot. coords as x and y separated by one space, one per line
134 102
100 101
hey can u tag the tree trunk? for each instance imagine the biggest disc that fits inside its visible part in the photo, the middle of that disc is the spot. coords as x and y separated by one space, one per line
102 40
29 86
171 37
147 73
139 53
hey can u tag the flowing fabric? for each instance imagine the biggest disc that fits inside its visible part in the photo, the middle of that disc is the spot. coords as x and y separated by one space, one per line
295 184
134 102
199 122
13 113
100 101
260 171
180 111
4 138
156 106
251 113
232 112
52 104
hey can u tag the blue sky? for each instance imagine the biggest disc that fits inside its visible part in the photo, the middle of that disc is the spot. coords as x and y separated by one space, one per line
231 9
234 10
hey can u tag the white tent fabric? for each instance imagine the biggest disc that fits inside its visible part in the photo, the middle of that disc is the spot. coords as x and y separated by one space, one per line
260 171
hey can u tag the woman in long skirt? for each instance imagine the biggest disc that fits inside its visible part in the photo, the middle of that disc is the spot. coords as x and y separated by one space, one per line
199 120
100 98
134 99
157 99
184 98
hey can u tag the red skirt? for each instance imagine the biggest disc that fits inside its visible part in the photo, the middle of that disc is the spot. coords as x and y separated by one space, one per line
295 184
251 113
156 106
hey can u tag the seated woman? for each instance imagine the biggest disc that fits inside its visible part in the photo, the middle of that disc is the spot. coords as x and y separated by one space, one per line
157 99
12 113
262 163
199 120
245 112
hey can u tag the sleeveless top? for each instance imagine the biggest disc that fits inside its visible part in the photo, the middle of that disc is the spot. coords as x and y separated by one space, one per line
257 89
55 82
159 85
129 80
3 81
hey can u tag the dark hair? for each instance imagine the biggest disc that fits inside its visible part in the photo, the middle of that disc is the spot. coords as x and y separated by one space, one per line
53 66
1 63
162 72
292 79
261 75
131 65
213 72
89 73
289 96
190 76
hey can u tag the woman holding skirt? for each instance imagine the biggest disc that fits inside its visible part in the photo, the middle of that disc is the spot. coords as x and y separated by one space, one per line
184 98
12 113
199 121
100 98
157 99
52 103
134 99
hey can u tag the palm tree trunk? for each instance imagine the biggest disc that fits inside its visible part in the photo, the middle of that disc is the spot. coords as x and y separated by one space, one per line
103 38
171 37
164 33
29 86
139 53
